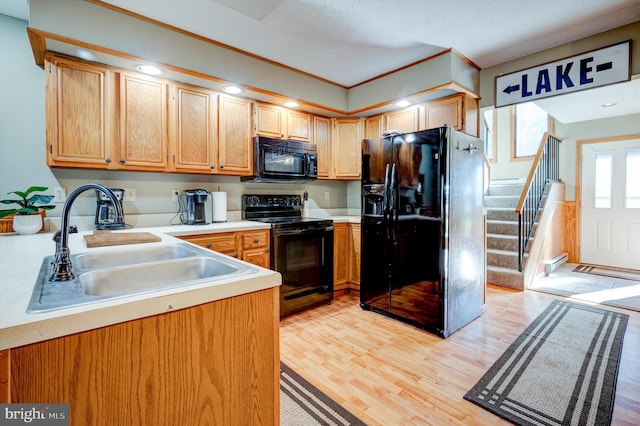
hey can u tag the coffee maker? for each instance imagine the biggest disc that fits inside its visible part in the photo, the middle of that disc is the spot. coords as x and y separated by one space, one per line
105 217
195 201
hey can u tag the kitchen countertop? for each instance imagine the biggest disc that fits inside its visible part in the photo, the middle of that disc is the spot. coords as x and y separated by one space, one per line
22 257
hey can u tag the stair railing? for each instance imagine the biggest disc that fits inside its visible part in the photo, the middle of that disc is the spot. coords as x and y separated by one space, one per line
545 169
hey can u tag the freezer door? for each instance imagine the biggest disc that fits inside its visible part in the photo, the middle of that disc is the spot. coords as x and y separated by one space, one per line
464 277
376 263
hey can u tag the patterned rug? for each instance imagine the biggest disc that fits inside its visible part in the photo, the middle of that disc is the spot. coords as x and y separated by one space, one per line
561 370
302 404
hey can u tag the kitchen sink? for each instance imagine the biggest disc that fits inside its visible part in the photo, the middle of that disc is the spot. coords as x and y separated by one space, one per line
132 257
113 274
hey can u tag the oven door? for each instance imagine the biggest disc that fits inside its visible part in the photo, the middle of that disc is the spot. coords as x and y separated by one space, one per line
304 258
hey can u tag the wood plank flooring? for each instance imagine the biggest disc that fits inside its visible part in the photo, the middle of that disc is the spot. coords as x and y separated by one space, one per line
390 373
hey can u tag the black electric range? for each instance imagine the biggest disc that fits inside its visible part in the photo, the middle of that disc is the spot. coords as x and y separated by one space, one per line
301 250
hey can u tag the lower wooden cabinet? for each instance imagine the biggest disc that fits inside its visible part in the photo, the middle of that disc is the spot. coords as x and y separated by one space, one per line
346 257
251 246
215 363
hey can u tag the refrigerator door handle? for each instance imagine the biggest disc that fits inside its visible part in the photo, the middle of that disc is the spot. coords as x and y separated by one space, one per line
395 200
386 198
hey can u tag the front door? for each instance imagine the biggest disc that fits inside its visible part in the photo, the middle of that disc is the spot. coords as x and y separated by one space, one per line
610 204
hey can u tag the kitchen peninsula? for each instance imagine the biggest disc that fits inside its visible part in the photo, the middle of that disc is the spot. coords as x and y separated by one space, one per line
203 353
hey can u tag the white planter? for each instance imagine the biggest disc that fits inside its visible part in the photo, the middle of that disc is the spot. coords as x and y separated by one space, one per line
27 224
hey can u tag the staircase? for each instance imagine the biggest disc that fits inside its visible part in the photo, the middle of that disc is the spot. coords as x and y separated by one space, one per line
502 234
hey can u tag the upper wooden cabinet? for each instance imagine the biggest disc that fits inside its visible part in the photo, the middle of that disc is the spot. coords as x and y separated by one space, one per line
322 139
458 111
346 140
374 126
143 123
192 129
404 120
80 100
235 149
277 122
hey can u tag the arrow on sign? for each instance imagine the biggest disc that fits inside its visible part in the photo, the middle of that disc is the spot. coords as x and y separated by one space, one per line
510 89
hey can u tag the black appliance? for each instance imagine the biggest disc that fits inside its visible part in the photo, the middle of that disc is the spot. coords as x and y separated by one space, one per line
301 250
422 255
195 202
283 161
105 210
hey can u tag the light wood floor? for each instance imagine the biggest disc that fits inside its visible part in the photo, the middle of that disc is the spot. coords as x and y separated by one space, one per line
389 373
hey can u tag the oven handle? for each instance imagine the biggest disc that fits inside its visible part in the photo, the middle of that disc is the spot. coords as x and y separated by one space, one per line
302 231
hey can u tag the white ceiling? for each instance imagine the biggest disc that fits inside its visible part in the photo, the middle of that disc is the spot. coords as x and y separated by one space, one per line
350 41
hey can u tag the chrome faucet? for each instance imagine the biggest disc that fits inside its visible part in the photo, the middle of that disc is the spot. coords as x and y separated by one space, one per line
61 267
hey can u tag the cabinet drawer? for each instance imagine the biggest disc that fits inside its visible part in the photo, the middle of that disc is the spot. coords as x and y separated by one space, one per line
253 240
223 243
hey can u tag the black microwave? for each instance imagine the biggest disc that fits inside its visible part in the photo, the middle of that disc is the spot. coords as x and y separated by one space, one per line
279 160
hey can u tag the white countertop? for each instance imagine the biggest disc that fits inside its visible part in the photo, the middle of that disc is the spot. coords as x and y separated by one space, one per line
22 256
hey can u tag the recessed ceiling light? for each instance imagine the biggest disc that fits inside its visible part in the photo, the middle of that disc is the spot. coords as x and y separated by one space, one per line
232 90
149 69
609 104
402 104
291 104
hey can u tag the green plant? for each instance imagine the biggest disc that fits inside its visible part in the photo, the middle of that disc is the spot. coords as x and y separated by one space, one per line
28 202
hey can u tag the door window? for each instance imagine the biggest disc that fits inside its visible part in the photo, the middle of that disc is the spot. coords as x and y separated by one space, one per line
632 192
602 184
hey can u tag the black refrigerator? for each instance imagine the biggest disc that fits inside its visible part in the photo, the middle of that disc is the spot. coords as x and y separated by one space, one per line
422 253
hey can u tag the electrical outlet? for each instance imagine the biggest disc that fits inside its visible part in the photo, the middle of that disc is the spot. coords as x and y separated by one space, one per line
326 195
174 194
129 194
59 194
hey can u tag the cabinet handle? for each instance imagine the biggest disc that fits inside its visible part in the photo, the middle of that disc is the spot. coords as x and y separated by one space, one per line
255 240
122 161
107 160
208 245
235 255
212 167
222 166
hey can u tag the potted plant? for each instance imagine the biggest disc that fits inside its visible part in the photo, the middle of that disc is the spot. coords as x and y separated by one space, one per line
27 218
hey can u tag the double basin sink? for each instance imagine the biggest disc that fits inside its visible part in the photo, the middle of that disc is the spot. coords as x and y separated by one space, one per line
112 274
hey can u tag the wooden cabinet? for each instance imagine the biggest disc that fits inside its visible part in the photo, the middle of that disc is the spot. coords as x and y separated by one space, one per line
354 275
250 246
193 129
215 363
373 127
404 120
143 123
346 257
235 149
341 264
322 139
80 115
346 139
255 247
277 122
458 111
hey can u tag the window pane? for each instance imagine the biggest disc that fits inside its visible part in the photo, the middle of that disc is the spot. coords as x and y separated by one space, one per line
488 133
531 123
602 197
632 196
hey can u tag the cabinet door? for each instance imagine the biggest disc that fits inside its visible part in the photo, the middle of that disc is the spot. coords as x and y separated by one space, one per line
354 278
193 130
79 105
235 148
322 139
143 123
270 120
405 120
373 127
444 112
341 264
255 247
298 126
346 148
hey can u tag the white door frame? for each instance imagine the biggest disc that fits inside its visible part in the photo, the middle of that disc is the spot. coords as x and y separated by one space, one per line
579 145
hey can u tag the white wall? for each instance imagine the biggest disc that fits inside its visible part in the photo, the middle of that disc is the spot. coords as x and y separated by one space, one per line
23 159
